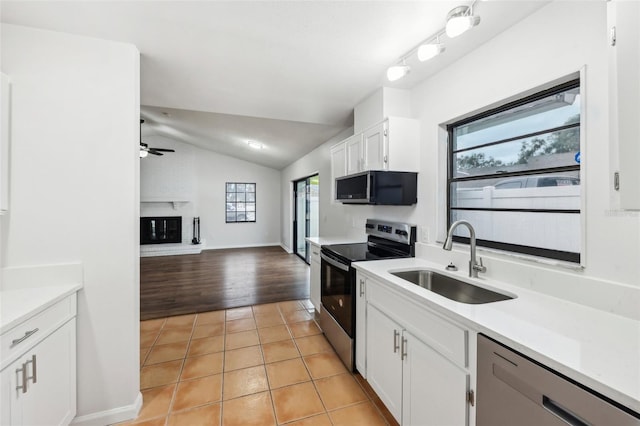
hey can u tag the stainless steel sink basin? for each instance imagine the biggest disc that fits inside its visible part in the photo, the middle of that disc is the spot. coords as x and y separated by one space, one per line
451 288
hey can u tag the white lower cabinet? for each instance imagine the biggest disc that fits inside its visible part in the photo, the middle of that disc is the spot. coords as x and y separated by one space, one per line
49 368
416 361
384 366
38 384
434 389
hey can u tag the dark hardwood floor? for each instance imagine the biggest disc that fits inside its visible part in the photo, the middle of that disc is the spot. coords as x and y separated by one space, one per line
220 279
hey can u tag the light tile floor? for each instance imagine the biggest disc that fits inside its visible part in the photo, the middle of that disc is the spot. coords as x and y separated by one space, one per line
257 365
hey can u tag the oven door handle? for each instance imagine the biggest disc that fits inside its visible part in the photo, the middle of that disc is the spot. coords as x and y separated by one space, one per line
335 263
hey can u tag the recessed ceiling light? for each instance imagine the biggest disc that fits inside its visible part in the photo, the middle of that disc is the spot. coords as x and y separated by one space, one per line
255 145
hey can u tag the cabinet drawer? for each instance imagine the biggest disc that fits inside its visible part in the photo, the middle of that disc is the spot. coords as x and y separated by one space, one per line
21 338
314 254
445 337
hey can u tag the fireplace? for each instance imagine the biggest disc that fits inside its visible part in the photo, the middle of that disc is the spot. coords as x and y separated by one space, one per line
161 230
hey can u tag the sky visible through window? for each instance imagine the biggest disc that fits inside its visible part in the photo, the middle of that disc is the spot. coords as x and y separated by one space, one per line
532 120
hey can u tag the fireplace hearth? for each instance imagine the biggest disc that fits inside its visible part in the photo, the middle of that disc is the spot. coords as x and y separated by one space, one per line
161 230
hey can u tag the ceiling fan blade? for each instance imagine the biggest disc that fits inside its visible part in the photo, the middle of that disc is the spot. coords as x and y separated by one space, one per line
154 152
163 149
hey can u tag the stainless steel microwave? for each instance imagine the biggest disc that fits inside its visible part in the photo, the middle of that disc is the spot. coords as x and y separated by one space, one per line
378 187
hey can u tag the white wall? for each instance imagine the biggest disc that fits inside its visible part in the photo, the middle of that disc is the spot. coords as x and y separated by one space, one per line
521 59
550 44
74 193
199 175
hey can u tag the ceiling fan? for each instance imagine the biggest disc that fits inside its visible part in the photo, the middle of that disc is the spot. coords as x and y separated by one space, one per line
146 150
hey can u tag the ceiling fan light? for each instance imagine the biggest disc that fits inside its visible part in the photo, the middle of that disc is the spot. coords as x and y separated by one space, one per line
396 72
143 153
428 51
460 20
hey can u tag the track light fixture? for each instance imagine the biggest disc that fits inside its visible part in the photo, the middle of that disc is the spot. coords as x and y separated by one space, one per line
396 72
459 20
430 50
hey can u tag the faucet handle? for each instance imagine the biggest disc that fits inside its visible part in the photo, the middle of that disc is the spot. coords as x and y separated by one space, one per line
479 266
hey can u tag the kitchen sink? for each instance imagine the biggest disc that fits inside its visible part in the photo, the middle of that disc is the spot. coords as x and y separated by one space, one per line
451 288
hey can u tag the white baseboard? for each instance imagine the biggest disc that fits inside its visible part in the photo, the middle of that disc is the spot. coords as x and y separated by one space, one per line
108 417
285 248
241 246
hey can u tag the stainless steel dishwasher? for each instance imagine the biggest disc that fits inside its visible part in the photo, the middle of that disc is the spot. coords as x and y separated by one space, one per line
515 390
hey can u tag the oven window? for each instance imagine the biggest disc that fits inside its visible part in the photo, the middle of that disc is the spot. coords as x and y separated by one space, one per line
337 295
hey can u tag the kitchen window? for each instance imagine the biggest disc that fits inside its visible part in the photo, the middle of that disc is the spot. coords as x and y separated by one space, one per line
240 202
514 174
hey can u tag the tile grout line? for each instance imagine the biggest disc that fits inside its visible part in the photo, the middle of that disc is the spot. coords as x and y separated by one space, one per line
288 325
184 361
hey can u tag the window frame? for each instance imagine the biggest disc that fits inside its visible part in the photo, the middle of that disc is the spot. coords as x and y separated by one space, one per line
517 249
254 202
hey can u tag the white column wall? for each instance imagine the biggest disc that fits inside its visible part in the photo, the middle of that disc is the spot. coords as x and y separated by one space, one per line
75 197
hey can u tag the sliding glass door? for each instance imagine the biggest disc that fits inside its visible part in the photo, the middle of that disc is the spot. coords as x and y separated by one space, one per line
307 213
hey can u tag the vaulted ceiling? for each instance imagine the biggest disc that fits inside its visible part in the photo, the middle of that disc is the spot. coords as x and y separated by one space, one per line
286 74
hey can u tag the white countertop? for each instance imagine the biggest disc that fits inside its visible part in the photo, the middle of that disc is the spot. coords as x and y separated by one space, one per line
320 241
17 305
597 349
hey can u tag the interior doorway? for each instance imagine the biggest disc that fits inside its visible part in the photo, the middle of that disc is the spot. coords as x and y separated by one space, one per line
306 221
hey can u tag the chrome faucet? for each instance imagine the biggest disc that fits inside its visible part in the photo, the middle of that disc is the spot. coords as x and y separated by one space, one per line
474 266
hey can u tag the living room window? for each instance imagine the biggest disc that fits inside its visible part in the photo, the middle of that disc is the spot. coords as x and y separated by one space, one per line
240 202
514 174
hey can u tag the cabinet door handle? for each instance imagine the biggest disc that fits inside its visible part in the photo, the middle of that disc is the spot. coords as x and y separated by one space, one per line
27 334
403 351
24 378
385 159
34 369
361 288
396 334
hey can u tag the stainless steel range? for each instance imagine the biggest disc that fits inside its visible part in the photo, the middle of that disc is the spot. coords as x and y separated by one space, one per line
385 240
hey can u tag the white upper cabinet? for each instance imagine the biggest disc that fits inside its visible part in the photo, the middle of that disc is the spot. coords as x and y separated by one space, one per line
375 144
402 145
338 160
338 165
391 145
355 154
624 67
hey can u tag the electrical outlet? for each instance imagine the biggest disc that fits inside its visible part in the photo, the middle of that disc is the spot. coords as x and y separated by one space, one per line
424 234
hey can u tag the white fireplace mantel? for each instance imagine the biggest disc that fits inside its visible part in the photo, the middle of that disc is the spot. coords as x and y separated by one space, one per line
175 201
